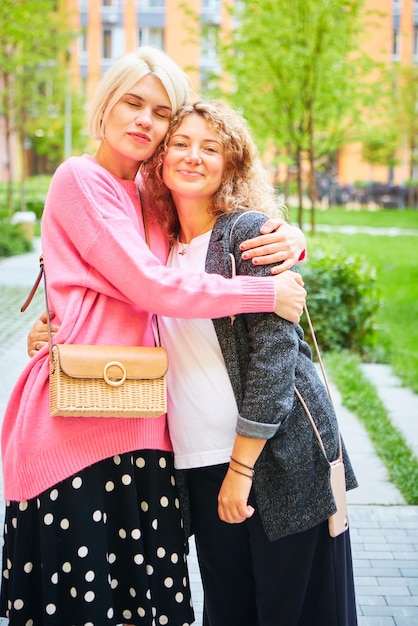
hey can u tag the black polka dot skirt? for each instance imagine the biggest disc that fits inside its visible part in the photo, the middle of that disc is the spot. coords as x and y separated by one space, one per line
103 547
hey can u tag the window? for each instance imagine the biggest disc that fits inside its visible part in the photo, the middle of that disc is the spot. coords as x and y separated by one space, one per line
151 36
83 41
395 44
107 44
149 5
213 5
210 33
415 44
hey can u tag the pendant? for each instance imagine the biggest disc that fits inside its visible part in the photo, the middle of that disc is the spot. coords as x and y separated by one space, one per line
183 249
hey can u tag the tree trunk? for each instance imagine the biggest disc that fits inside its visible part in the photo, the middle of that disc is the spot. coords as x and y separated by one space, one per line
22 148
300 188
312 181
8 141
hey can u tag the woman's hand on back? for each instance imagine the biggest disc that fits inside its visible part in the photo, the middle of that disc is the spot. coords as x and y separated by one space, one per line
38 335
281 244
290 296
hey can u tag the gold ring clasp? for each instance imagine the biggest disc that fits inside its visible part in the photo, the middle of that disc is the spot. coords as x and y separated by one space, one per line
110 381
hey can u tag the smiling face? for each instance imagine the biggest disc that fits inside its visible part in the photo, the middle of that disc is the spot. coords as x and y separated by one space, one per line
135 127
194 161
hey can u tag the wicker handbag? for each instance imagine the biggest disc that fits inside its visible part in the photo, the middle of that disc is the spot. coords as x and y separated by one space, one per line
107 381
104 381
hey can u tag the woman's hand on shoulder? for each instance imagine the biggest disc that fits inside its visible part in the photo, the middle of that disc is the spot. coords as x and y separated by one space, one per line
280 243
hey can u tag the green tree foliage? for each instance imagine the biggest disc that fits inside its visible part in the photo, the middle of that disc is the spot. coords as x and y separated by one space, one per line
406 108
393 120
33 44
296 72
380 145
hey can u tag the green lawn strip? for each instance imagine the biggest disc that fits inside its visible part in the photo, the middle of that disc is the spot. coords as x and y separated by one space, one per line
339 216
360 397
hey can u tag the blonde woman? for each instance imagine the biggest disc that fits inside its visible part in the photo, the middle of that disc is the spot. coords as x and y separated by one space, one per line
93 532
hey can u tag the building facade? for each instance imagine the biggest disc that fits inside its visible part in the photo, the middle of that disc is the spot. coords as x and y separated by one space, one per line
110 28
392 38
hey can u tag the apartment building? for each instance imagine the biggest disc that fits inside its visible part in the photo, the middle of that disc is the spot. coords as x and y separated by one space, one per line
393 38
110 28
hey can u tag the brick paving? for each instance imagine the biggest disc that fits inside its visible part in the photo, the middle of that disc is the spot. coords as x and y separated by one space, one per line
384 530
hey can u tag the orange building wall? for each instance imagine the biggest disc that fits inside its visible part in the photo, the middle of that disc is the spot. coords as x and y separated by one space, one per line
94 47
178 41
183 46
379 44
130 25
180 44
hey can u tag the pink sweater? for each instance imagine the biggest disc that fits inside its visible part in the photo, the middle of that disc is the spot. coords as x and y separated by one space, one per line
102 281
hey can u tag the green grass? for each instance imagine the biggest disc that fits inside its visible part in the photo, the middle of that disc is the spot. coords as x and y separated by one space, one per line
384 218
33 184
395 261
360 397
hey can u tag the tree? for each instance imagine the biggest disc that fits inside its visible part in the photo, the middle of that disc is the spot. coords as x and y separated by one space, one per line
379 146
406 108
295 73
33 41
393 131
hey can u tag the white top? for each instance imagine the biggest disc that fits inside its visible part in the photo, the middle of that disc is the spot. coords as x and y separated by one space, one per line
202 411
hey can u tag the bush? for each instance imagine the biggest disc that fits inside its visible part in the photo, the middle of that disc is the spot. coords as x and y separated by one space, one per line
343 300
13 240
36 205
35 192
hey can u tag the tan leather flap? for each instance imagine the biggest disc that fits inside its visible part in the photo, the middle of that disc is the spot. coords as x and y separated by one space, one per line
80 361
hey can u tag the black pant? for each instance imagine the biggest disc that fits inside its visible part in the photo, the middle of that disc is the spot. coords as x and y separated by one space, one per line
301 580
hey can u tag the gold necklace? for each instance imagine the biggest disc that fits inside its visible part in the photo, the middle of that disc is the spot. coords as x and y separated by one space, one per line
184 246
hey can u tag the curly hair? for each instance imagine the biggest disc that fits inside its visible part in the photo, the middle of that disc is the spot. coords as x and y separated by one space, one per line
245 182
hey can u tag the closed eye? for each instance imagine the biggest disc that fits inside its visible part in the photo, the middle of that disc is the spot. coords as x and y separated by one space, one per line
163 113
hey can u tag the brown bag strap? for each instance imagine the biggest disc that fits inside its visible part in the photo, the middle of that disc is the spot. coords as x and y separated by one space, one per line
32 293
42 273
35 286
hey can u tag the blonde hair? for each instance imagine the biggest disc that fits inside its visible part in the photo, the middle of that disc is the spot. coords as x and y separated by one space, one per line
245 183
127 71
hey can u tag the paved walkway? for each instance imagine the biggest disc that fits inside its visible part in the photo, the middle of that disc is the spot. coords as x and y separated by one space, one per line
384 529
393 231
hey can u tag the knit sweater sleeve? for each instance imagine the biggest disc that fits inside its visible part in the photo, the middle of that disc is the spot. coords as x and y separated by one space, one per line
90 214
268 394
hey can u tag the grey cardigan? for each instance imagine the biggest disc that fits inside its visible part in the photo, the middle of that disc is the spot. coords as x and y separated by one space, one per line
266 357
